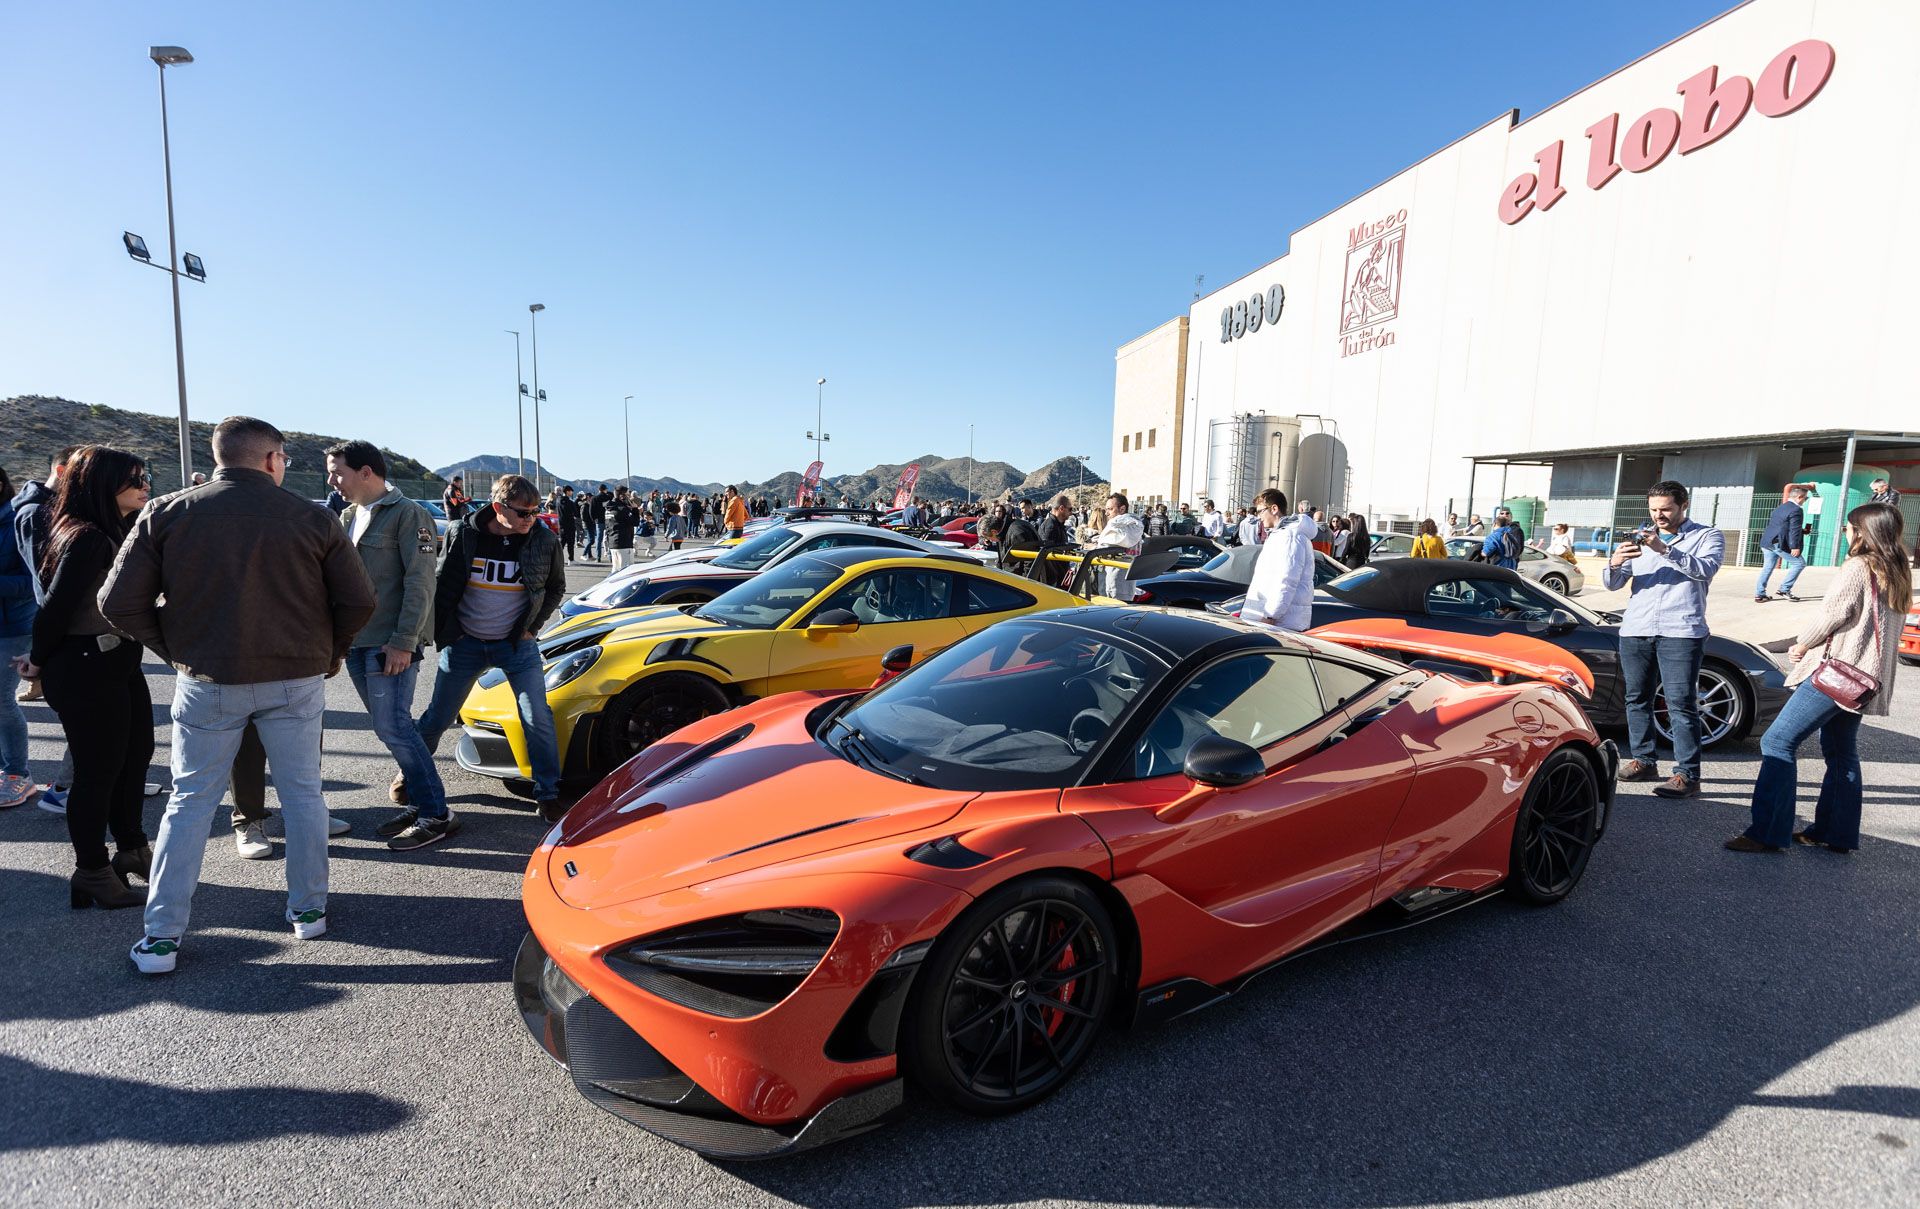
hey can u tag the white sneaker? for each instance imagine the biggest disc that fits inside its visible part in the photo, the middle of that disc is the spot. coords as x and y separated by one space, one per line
16 790
251 842
154 954
151 788
337 825
307 924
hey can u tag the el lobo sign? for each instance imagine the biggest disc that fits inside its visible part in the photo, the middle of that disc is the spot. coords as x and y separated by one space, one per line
1709 110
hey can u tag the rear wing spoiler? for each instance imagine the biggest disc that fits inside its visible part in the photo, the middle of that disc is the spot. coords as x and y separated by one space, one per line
1508 655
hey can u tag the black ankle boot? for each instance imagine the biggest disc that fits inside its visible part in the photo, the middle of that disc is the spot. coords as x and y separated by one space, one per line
102 887
134 862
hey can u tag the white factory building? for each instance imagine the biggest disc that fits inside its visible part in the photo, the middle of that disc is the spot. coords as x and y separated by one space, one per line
1701 267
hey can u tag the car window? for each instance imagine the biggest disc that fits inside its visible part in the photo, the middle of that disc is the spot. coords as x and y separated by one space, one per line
829 541
889 596
1340 683
986 596
1529 554
1394 543
757 552
1492 599
1255 699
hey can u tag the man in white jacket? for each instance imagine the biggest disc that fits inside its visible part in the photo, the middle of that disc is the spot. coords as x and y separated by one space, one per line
1212 523
1281 593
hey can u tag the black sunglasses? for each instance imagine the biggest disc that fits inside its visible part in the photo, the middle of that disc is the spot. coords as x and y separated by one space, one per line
522 513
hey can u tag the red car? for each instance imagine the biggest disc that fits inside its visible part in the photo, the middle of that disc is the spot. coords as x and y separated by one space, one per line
961 529
1910 635
754 937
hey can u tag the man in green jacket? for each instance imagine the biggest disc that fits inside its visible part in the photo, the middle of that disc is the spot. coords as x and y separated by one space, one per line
395 539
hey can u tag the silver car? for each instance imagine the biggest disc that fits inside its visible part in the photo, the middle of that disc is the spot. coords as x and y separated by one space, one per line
1555 573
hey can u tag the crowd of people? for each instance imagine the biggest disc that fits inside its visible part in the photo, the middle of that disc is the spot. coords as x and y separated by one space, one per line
254 597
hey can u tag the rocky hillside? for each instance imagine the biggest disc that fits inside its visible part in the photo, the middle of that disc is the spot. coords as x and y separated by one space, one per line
35 427
488 465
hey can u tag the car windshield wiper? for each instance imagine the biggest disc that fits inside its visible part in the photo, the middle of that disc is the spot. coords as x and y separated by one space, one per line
859 750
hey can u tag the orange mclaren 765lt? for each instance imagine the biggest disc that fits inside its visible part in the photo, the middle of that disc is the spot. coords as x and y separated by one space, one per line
757 935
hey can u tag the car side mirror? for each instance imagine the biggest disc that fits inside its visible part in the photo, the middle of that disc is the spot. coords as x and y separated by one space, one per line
1558 622
833 621
895 661
1223 763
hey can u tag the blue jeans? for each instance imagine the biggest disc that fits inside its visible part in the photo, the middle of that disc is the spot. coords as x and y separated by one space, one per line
1836 816
389 704
519 658
1673 664
1772 557
13 720
208 720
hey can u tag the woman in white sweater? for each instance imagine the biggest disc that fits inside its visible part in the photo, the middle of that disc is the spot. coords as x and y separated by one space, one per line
1860 626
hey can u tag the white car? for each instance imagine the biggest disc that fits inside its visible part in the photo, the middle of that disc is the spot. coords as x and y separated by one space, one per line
1545 570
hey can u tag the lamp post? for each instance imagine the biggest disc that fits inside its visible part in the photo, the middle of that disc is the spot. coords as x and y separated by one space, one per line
1083 469
162 57
818 434
626 433
969 465
519 402
534 318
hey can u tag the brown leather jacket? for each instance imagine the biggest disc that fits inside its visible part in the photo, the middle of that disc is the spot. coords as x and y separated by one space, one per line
239 582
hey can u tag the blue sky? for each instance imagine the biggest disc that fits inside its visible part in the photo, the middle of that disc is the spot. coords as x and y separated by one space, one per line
953 213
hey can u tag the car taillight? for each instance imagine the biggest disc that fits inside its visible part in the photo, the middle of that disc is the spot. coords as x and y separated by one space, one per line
736 966
1142 596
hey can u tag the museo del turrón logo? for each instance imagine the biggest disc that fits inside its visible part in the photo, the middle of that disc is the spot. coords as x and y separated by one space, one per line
1376 255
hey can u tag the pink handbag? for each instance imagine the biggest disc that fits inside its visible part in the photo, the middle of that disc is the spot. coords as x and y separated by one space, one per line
1849 686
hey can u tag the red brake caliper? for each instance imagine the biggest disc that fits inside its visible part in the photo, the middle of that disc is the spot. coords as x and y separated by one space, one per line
1054 1017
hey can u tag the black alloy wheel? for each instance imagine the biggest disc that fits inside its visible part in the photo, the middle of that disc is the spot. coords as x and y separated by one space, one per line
652 710
1724 711
1556 829
1012 998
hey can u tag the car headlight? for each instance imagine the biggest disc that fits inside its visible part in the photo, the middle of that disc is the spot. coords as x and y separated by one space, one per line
736 966
569 667
612 595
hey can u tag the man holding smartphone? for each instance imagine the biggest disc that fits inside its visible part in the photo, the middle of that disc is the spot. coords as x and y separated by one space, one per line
396 542
1669 562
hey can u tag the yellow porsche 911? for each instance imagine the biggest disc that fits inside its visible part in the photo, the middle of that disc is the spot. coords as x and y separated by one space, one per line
619 680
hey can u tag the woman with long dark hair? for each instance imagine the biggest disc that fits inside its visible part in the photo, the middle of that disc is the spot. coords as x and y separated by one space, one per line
1860 626
92 676
1359 542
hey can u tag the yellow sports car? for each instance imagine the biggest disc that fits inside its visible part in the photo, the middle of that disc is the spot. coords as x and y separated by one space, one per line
621 679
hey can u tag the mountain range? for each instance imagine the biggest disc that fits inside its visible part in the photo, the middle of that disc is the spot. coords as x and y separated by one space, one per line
35 427
940 478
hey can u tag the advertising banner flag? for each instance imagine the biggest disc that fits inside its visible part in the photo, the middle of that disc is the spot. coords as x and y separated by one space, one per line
903 495
811 482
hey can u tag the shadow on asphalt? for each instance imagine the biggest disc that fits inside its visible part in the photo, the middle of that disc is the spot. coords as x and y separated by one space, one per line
1499 1052
74 1110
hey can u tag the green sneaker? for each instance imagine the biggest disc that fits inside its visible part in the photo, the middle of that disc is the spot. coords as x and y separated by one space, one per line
155 954
308 924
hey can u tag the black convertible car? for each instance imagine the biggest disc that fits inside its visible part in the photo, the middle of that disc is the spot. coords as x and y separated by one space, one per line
1224 576
1741 687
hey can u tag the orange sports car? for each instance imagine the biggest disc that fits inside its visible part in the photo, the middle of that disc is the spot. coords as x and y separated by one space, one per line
752 938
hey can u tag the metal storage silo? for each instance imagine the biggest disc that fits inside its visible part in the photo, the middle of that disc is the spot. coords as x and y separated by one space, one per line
1250 452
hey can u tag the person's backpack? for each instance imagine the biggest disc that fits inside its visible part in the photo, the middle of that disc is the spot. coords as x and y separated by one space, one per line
1511 544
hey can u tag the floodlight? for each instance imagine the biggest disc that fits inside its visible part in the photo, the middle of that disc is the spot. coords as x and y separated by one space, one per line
196 268
168 56
136 246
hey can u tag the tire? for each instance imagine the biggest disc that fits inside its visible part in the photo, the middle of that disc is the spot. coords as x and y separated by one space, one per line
993 965
1554 833
651 710
1726 709
1558 583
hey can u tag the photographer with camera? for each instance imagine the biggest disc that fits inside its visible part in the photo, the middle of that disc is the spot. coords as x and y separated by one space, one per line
1669 562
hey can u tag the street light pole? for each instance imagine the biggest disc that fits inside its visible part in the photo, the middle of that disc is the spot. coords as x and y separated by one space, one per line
626 432
519 402
534 312
819 417
969 465
161 56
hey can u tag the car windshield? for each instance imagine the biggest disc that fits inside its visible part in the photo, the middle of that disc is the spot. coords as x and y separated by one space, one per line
756 553
1021 705
766 600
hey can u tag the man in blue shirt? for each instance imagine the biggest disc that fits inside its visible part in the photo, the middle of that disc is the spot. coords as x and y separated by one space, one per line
1784 538
1669 564
1503 546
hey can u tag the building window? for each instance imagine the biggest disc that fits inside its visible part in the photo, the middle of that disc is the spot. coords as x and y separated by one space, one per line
1153 437
1123 442
1137 442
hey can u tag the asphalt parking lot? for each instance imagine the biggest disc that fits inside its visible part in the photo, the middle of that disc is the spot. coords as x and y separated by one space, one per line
1691 1027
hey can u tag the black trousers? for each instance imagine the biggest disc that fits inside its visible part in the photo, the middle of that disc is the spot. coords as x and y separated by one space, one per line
102 701
567 536
249 784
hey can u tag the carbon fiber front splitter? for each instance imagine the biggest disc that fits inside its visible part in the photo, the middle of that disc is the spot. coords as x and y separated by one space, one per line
614 1067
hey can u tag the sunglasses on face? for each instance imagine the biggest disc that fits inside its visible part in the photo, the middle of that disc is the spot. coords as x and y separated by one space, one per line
522 513
140 479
